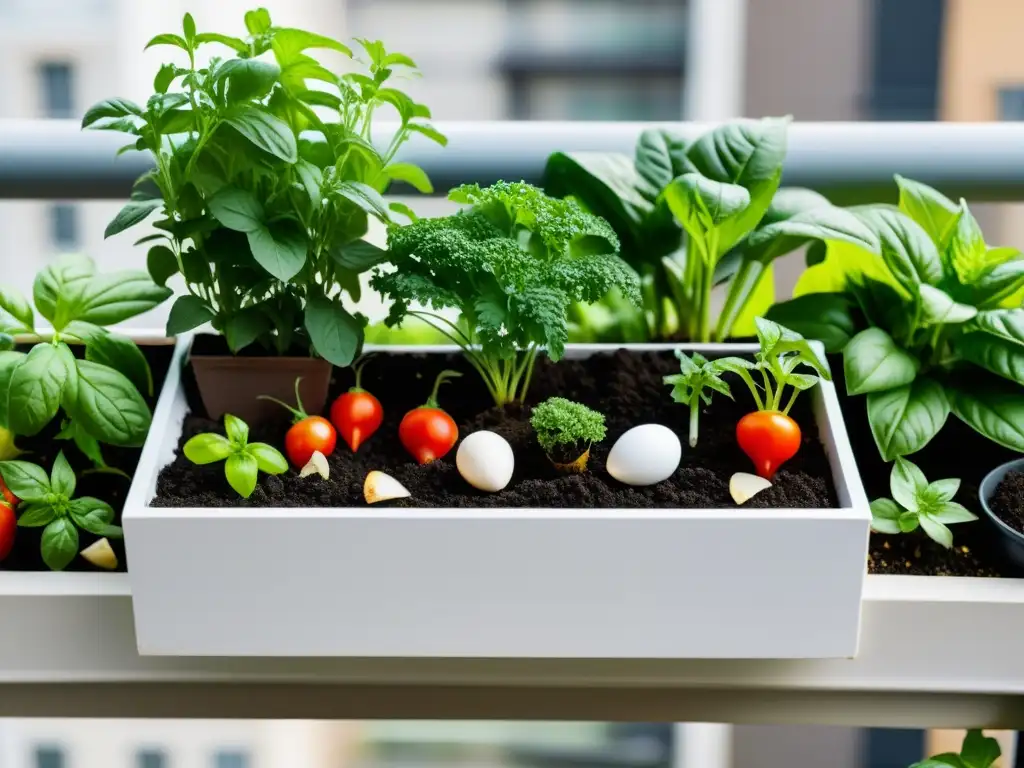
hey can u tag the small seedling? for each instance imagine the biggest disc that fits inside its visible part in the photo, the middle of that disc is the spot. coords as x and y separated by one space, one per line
916 502
565 427
696 374
978 751
242 460
49 501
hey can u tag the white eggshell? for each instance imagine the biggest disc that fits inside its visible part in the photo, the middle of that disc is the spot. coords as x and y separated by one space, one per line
485 461
645 455
743 486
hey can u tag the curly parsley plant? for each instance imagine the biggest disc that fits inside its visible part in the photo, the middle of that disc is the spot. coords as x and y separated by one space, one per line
562 424
511 265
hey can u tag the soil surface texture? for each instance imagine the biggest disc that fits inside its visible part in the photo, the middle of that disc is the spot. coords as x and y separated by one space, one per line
957 451
1008 501
625 386
110 487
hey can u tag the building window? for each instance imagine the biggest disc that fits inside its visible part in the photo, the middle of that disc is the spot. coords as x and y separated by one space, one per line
64 226
231 759
1011 103
57 83
49 757
151 758
907 49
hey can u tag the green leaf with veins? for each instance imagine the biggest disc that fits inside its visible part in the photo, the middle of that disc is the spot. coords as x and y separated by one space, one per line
62 477
885 516
59 544
906 482
94 516
873 363
27 481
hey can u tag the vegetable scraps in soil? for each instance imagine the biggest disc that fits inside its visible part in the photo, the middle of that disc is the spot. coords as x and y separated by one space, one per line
625 386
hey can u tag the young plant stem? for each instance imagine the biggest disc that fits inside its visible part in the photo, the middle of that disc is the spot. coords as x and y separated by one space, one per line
299 413
442 377
694 417
749 381
792 399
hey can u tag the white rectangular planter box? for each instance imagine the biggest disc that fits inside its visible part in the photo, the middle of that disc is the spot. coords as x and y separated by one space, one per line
511 583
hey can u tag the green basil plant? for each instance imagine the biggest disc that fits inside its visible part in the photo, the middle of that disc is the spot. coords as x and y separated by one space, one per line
932 326
693 216
100 393
265 181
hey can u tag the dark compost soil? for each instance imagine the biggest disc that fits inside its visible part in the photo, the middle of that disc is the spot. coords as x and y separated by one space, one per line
957 451
112 488
626 387
1008 501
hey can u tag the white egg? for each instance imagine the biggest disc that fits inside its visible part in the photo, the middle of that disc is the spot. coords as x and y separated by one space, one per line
645 455
485 461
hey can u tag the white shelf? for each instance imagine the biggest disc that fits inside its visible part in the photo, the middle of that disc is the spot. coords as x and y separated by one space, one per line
934 652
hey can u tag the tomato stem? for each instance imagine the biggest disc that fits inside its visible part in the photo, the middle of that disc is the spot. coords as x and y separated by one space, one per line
442 377
299 413
357 367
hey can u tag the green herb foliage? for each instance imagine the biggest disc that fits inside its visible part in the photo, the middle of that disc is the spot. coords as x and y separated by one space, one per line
100 393
696 379
558 421
693 215
978 751
916 502
243 461
266 179
511 265
935 328
785 359
50 501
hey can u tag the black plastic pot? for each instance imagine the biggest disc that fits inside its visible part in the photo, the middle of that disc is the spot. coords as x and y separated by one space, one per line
1010 540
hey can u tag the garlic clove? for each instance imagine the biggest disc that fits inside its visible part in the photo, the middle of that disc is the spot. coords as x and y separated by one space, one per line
100 554
317 465
380 486
743 486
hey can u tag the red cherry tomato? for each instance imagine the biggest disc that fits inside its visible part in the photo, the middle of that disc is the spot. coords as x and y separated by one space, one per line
357 414
8 526
6 495
769 438
427 432
307 434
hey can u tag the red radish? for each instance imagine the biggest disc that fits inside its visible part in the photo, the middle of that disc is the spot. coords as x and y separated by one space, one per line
427 432
357 414
8 525
769 438
307 433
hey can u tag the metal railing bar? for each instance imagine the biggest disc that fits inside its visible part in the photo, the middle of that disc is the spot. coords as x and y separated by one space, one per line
850 162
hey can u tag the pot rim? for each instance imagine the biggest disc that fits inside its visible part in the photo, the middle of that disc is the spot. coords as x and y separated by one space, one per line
988 488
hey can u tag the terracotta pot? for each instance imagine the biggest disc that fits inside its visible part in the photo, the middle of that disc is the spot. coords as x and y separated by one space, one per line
229 384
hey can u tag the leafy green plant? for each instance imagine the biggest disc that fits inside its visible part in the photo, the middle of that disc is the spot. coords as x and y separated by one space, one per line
932 326
691 216
243 461
916 502
696 374
265 181
511 265
100 394
50 501
565 424
978 751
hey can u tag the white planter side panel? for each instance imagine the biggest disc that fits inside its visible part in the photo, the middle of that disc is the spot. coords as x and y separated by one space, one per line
516 583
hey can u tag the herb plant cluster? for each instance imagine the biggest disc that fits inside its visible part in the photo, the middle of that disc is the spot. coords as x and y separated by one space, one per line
266 180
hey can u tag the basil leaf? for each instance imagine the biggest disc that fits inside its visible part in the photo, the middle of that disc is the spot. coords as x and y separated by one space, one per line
133 213
979 751
186 313
240 470
108 406
237 209
207 448
904 419
62 477
996 355
936 531
94 516
60 544
244 328
117 296
366 197
14 304
885 515
998 283
263 130
908 521
247 79
280 248
237 430
949 513
826 317
873 363
1003 323
26 480
609 185
412 175
769 242
700 204
991 406
336 335
939 307
358 256
936 213
660 157
111 108
59 288
9 362
905 482
944 490
907 249
268 458
122 354
34 389
36 514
